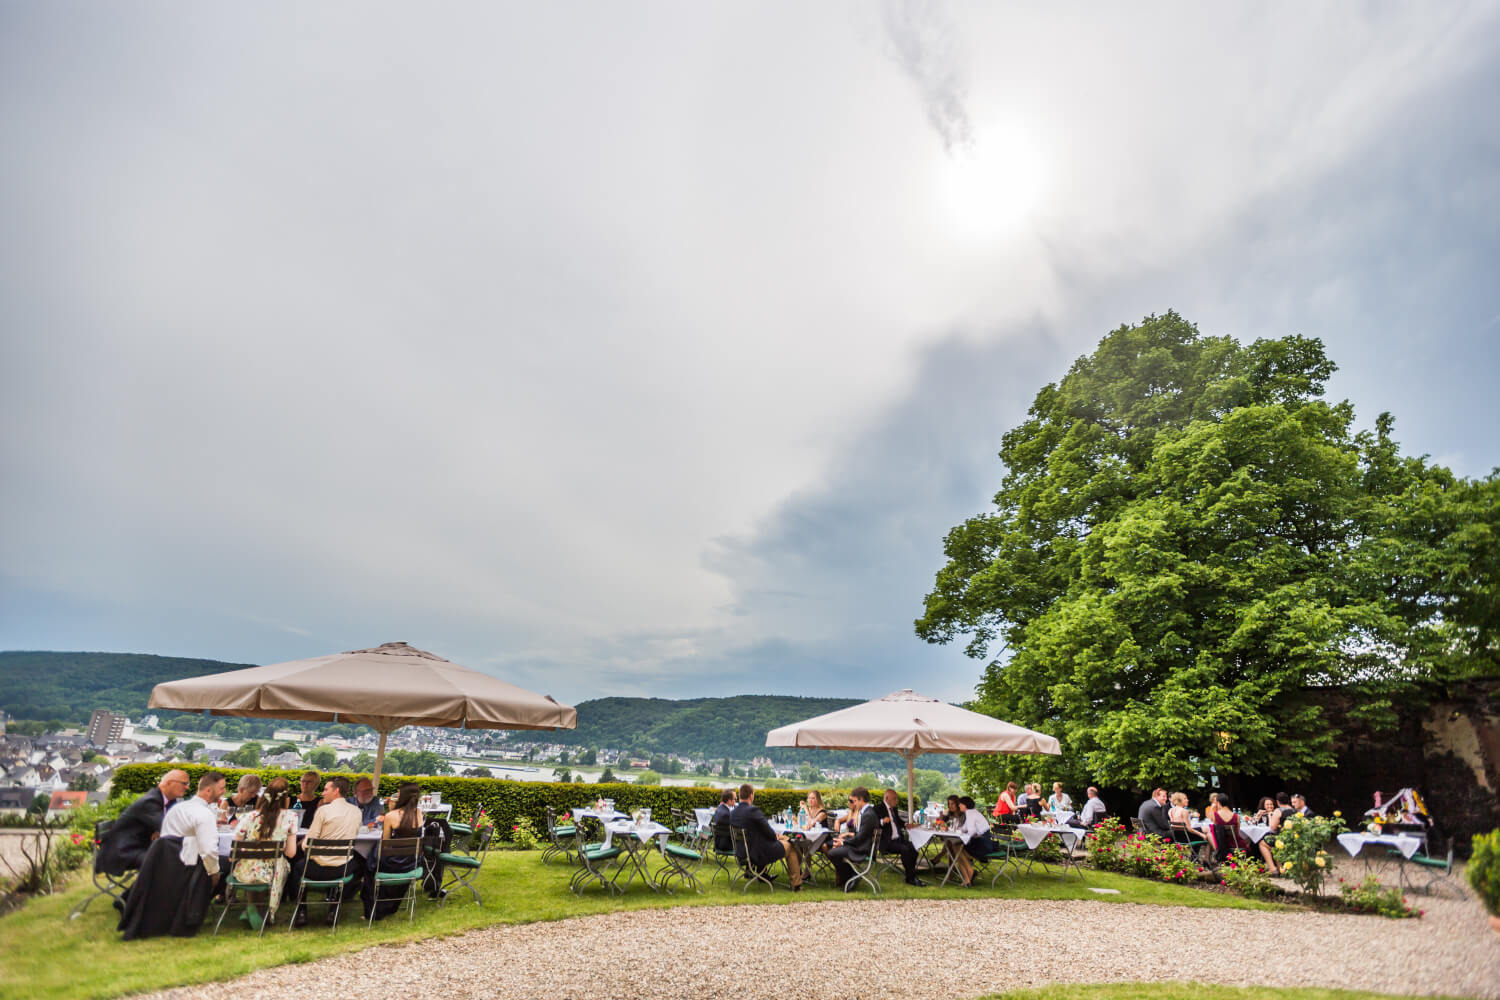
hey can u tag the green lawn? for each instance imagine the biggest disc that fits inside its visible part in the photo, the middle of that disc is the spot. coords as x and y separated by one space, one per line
42 954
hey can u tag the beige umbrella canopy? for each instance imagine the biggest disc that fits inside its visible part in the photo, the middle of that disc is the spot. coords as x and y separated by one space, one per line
385 688
911 724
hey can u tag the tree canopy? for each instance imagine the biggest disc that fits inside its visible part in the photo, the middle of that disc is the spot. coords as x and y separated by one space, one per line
1187 538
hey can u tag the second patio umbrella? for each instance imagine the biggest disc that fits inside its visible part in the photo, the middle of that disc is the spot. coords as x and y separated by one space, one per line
911 724
385 688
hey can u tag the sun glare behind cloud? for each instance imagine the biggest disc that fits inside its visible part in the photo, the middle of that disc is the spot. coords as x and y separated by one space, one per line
988 188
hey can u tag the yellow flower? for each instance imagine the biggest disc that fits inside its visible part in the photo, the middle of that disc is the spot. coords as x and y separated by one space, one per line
1337 813
1280 844
1322 863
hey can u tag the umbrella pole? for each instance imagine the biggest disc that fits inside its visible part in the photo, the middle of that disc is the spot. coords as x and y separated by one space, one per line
911 778
379 761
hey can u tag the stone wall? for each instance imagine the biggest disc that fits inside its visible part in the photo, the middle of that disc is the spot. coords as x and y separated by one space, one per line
1446 746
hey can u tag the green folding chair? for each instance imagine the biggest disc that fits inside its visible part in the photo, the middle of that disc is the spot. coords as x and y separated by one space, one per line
564 838
248 850
463 866
324 848
407 881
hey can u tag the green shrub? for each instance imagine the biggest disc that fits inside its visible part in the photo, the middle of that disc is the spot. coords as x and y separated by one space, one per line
1245 875
1370 897
503 801
1484 870
524 835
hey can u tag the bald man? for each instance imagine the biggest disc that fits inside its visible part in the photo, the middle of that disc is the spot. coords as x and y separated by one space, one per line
128 840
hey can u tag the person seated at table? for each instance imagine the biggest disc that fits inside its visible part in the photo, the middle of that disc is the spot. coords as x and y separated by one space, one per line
979 845
1059 801
178 874
1005 805
1178 812
1093 810
1023 801
863 827
370 807
1036 804
1153 815
723 843
128 840
816 814
246 793
273 820
308 797
337 819
1283 810
404 821
893 836
1227 837
1300 806
951 814
763 847
1264 813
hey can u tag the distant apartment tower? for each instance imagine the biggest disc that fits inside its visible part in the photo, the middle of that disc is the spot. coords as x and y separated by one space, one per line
106 727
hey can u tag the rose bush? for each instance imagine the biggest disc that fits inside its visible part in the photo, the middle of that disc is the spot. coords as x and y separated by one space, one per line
1300 851
1245 875
1369 896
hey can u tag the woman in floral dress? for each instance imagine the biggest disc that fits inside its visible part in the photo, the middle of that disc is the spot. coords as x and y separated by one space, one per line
272 820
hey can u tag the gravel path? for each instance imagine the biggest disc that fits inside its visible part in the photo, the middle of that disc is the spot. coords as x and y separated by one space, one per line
947 948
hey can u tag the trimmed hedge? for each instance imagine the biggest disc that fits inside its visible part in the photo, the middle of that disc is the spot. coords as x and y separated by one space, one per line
503 801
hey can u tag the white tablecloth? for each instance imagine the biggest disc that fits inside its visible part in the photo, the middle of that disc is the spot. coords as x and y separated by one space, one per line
604 816
625 828
705 817
1355 842
921 835
1035 833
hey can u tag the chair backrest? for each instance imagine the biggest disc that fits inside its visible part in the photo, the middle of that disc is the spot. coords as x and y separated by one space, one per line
328 851
481 846
1225 841
737 838
717 830
1182 834
254 850
1135 823
401 847
551 821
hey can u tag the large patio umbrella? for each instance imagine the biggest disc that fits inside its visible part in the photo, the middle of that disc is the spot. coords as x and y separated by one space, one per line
911 724
385 688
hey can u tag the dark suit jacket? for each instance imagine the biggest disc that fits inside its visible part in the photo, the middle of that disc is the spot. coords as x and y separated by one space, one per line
869 826
129 839
893 832
1155 819
760 838
722 843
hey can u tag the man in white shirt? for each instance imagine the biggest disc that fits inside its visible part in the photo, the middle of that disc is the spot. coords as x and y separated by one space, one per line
1094 809
336 819
180 870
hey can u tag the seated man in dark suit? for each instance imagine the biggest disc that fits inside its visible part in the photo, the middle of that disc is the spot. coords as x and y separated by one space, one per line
1155 819
722 842
893 836
131 836
855 846
762 845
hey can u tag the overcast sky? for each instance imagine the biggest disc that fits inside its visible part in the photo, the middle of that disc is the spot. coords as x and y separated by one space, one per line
652 348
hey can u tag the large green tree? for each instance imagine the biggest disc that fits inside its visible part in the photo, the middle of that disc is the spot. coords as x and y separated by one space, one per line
1187 538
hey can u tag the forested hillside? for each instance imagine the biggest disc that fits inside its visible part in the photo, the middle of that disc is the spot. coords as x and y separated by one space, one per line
68 686
717 727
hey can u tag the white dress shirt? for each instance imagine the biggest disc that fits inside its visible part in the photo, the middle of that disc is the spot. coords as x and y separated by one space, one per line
1092 810
196 822
974 824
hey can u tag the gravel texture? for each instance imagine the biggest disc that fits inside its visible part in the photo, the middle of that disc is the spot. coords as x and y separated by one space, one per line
938 948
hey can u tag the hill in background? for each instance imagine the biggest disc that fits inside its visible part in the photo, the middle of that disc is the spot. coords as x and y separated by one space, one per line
68 686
